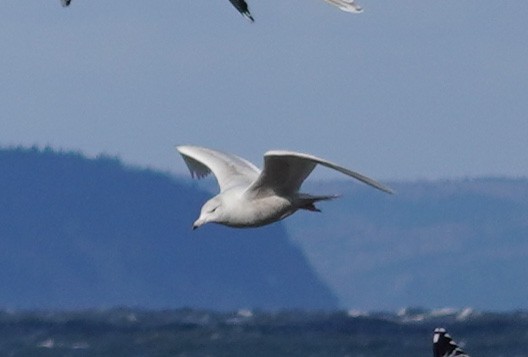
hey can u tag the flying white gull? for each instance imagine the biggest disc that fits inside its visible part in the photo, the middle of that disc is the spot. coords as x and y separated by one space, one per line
444 346
251 198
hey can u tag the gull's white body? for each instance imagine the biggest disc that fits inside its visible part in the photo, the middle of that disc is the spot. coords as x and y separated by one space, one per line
249 197
241 210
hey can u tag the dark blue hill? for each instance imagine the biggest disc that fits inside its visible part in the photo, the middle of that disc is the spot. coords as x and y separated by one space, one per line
455 243
78 232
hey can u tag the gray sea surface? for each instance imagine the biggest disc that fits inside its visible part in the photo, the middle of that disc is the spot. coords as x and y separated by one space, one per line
187 332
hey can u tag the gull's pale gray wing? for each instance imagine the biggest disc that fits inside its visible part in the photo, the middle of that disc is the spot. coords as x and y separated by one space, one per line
242 7
229 170
346 5
285 171
65 2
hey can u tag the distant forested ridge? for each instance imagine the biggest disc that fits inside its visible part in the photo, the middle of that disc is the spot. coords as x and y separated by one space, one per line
78 232
461 242
81 233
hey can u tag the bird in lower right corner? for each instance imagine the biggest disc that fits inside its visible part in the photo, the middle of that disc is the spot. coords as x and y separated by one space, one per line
444 346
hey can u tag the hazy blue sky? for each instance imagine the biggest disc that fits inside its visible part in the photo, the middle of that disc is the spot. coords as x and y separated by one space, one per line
406 90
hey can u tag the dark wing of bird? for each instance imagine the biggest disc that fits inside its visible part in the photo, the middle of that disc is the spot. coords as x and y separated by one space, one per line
444 346
242 7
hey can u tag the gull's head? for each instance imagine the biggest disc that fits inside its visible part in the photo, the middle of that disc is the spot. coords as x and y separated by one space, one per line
211 212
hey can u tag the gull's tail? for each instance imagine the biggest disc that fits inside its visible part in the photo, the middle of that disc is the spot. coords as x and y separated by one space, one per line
307 202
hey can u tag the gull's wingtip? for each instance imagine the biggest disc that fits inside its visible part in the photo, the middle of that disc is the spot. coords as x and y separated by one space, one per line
248 16
389 190
354 10
182 148
383 188
351 10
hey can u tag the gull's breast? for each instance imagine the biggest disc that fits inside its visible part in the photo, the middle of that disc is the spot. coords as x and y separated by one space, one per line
260 211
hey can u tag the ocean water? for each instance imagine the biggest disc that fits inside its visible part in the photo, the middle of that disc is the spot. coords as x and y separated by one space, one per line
187 332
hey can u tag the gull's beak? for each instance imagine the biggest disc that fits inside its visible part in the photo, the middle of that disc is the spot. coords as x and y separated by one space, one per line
199 222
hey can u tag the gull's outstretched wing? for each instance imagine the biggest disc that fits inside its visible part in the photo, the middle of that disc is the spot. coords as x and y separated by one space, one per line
229 170
444 346
346 5
285 171
65 2
242 7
